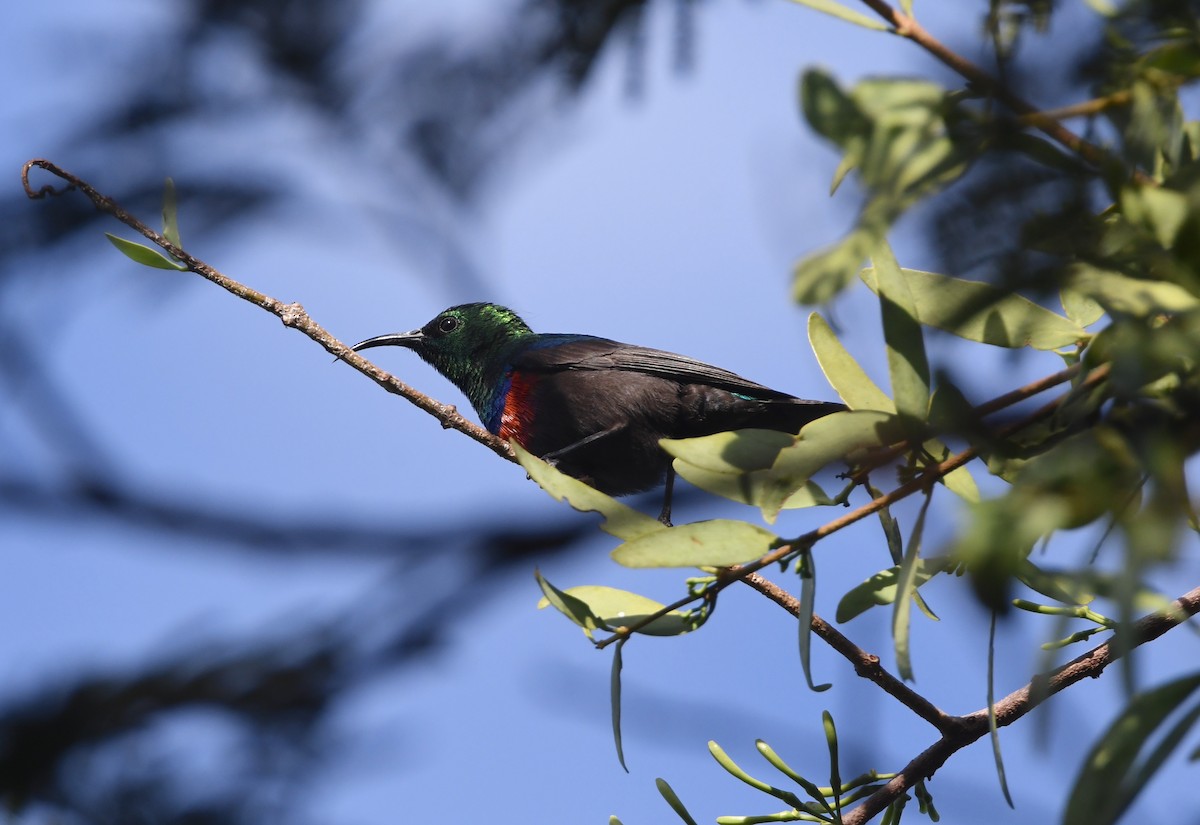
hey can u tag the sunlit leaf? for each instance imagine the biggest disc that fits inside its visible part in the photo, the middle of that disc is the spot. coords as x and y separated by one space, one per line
907 363
819 277
843 372
1121 294
613 608
574 608
757 488
984 313
832 7
144 255
620 520
715 543
1082 310
668 793
1161 212
170 216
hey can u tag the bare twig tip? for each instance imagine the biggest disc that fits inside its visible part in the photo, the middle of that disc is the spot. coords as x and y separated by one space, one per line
46 190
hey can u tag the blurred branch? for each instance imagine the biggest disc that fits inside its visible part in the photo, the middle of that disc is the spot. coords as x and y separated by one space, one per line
292 315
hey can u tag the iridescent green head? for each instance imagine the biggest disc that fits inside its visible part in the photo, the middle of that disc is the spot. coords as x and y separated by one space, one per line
469 344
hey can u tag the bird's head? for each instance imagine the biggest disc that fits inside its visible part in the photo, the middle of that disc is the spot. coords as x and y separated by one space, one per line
462 342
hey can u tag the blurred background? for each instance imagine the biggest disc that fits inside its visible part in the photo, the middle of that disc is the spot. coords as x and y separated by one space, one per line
241 584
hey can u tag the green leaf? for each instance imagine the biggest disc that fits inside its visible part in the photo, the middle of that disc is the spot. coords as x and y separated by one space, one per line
831 7
1110 779
830 111
668 793
620 520
574 608
906 592
981 312
144 255
169 214
1062 588
615 701
882 588
1123 295
715 543
842 372
780 465
609 608
819 277
993 728
738 451
808 597
756 488
1082 310
1161 212
907 363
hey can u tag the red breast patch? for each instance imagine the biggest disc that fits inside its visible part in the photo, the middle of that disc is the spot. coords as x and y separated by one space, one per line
516 420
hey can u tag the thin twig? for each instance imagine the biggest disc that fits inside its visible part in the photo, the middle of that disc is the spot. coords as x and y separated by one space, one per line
292 315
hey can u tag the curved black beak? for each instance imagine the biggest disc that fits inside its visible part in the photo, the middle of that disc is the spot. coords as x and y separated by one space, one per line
411 340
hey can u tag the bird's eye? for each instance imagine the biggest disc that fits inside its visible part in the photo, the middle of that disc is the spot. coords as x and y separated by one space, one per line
447 324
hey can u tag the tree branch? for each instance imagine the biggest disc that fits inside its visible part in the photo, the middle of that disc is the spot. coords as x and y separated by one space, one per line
292 315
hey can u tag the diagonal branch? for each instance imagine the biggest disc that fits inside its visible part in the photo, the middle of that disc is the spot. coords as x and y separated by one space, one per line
292 315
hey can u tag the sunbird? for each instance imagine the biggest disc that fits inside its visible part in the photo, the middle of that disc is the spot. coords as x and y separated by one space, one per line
593 407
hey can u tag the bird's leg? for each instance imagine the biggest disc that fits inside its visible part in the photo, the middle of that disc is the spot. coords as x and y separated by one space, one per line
665 515
552 457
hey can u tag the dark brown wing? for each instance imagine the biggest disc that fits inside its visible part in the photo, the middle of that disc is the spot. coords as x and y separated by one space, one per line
557 353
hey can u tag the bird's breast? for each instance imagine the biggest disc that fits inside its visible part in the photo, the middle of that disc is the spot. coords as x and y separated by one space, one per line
518 412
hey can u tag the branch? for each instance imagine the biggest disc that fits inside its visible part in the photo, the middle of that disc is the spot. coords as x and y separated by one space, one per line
292 315
969 728
865 664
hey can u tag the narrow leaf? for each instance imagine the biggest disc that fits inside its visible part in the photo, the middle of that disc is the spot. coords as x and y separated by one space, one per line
169 214
615 700
620 520
831 7
144 255
993 730
841 370
907 363
714 543
906 590
668 793
808 595
881 589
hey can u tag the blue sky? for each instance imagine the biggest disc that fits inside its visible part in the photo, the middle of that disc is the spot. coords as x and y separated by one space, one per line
670 219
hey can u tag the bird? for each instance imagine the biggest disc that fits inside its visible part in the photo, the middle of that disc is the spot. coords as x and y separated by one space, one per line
593 407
